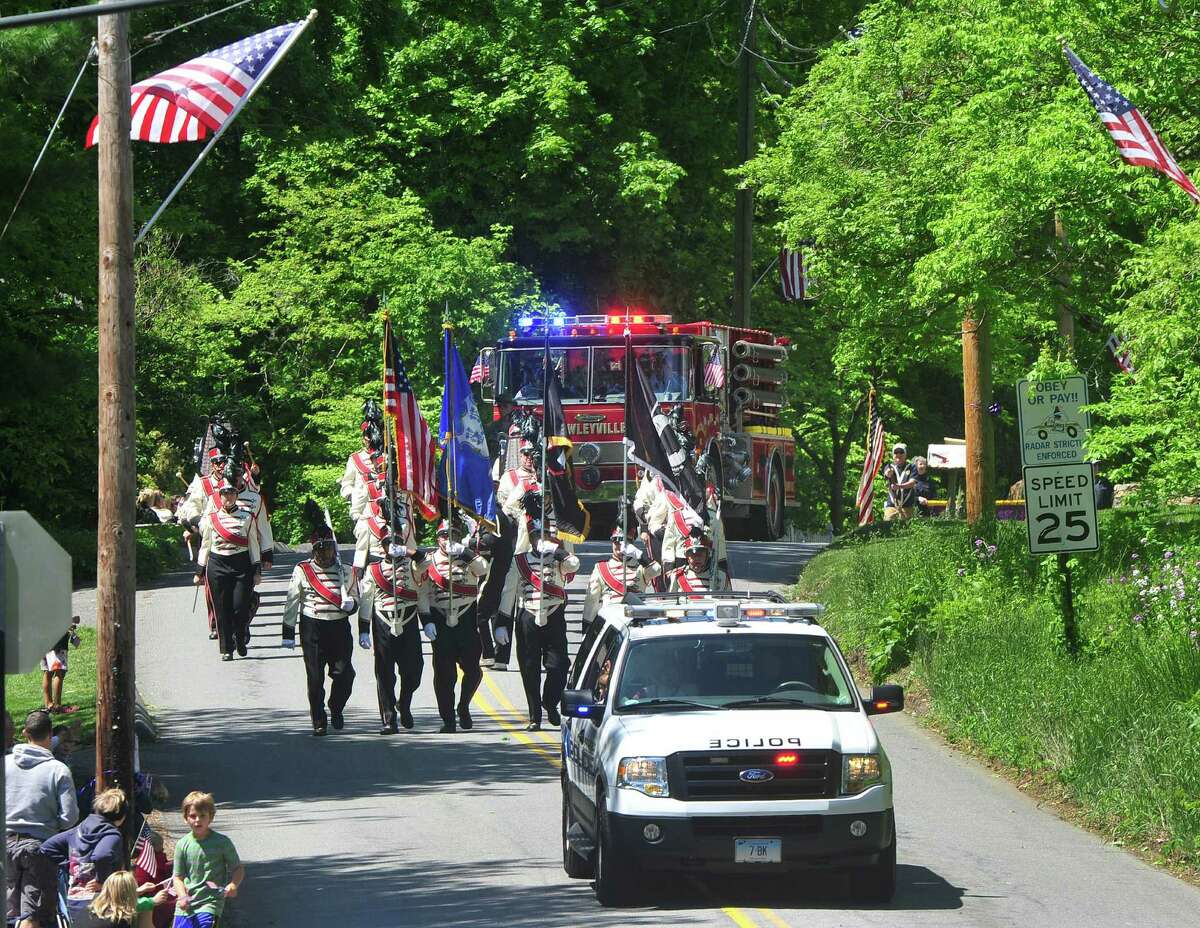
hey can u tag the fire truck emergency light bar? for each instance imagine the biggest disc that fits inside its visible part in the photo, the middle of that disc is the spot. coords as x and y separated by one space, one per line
603 323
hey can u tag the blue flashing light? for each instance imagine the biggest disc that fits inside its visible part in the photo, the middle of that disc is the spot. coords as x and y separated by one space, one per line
584 710
558 321
525 322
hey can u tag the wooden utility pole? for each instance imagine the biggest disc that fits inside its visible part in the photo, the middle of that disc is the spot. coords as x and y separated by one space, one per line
977 396
116 427
743 220
1062 277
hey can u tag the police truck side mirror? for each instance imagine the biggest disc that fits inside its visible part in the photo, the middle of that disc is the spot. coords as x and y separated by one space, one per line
581 704
888 697
487 386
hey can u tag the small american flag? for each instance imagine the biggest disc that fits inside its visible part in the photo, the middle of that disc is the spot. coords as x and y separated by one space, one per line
190 100
866 485
714 372
414 441
793 275
479 372
146 859
1120 354
1136 142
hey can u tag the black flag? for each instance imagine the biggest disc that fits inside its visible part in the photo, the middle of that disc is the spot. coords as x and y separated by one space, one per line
648 435
573 520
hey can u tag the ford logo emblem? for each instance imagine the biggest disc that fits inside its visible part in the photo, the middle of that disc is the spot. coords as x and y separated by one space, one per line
756 775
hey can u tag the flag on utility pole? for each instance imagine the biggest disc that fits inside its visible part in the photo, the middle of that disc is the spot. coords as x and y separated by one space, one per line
793 275
1136 141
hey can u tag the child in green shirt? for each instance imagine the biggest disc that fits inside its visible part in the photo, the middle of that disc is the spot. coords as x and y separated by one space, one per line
207 868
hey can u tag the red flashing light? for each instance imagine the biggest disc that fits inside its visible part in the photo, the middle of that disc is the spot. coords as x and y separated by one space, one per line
614 320
787 760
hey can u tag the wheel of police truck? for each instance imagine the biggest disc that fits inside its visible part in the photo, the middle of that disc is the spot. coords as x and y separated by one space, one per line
876 883
576 866
773 511
614 876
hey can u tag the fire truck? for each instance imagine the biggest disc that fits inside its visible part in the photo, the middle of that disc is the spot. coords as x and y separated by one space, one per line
727 380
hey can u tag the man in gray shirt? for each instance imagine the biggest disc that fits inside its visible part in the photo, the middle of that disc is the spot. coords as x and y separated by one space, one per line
39 802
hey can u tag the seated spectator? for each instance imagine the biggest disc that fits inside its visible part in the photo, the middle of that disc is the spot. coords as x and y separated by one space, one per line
117 905
161 508
39 800
923 488
92 851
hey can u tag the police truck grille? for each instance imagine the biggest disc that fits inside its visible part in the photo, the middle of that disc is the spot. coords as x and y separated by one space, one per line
697 776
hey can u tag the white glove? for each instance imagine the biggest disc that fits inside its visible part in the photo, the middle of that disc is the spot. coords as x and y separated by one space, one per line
396 551
502 636
546 547
348 605
289 643
431 631
364 641
456 550
631 552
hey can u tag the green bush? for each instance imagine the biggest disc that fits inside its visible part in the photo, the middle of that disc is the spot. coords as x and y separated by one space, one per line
159 549
976 621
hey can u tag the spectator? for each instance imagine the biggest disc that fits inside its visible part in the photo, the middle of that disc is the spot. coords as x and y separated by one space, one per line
92 851
922 486
900 478
207 868
161 508
39 801
117 904
145 513
54 669
1102 488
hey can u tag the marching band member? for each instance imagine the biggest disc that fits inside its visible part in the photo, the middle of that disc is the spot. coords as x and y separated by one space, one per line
200 492
369 509
361 465
319 599
680 520
395 603
543 573
627 568
229 562
697 575
454 572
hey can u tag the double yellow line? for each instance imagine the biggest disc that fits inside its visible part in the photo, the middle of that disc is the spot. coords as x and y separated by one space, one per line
499 709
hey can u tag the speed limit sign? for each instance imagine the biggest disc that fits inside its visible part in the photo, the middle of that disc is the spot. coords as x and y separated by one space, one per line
1060 508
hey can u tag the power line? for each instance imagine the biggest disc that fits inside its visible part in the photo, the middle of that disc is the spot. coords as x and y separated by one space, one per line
154 38
84 12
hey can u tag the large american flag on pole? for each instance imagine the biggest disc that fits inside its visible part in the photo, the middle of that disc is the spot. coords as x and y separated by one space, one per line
414 441
1136 141
866 485
793 275
187 102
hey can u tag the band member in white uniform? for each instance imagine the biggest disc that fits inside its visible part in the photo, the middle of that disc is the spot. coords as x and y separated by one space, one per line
229 560
697 575
628 568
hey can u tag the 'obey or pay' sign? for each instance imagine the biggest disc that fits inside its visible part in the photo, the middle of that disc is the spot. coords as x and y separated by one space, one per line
1052 420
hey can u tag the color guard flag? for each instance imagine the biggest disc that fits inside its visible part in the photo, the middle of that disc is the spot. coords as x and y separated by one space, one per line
1136 141
414 442
466 472
866 485
571 516
187 102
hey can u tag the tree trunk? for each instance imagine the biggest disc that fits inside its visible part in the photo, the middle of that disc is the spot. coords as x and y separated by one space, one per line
977 396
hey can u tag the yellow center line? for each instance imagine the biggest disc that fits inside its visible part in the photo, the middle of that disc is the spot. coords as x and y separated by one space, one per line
773 918
506 703
481 701
739 918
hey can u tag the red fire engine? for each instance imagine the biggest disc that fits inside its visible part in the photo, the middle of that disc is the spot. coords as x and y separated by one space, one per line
727 380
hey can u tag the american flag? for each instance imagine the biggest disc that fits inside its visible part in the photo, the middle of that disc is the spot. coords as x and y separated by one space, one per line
187 102
480 371
714 372
414 441
866 485
1120 354
1136 142
146 859
793 275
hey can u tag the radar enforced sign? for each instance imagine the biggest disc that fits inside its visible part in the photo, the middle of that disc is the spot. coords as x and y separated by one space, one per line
1052 421
1060 508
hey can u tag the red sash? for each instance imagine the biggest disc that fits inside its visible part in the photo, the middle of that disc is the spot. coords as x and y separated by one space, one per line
442 582
684 584
610 579
523 483
378 527
546 588
232 537
388 586
334 599
211 490
363 465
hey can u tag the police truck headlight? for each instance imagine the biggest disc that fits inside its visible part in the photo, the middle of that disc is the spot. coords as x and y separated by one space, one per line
859 772
645 774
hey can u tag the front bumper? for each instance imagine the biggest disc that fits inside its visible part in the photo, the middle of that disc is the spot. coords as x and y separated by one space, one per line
706 843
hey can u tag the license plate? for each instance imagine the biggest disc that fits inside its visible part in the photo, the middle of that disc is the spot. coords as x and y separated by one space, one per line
757 850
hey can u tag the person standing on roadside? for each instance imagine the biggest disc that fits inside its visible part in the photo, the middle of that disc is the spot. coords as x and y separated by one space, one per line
39 802
922 486
900 478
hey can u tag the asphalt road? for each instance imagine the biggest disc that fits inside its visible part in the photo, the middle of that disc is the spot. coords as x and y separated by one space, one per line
362 831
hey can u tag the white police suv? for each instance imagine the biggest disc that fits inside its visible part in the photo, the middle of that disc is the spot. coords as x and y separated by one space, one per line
722 732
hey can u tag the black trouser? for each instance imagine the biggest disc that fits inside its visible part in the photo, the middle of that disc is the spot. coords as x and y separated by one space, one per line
327 643
396 652
489 599
453 648
542 646
656 540
231 583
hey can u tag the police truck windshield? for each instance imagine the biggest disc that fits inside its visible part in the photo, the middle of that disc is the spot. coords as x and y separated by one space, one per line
666 369
733 672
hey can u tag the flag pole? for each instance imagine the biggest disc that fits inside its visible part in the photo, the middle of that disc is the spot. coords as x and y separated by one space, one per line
237 109
545 451
625 458
451 470
391 461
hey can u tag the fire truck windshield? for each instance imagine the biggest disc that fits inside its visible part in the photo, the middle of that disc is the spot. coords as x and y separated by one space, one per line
666 368
521 373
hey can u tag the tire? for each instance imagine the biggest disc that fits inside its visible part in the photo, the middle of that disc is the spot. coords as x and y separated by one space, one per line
773 511
877 883
575 866
614 876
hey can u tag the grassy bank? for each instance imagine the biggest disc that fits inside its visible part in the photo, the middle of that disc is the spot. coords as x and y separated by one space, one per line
23 691
975 623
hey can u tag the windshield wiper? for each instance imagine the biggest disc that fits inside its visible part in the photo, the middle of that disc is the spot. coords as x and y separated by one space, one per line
772 702
667 703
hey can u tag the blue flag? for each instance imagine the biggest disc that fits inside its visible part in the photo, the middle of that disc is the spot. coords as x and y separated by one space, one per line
465 475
